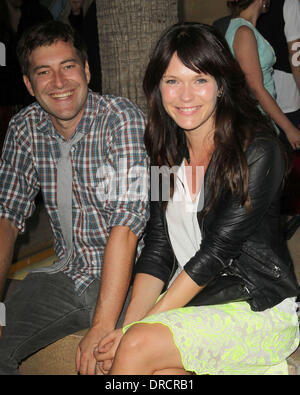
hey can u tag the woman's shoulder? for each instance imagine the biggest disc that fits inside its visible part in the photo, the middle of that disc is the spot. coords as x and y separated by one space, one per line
240 23
240 28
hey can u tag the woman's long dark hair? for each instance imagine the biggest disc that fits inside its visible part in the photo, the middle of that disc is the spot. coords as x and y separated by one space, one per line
202 49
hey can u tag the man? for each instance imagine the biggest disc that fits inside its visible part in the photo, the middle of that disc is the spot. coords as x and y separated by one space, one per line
79 149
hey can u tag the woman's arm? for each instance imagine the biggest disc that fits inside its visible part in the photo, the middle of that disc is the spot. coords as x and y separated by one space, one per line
145 291
182 290
246 52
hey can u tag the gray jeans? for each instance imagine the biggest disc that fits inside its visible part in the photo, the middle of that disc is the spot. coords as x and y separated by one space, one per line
40 310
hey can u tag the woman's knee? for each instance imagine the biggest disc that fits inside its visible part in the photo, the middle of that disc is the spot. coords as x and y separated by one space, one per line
135 341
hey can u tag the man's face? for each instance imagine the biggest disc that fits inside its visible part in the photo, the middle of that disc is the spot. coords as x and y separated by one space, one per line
59 82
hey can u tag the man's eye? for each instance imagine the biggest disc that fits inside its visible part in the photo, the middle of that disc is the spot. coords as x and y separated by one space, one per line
69 66
43 72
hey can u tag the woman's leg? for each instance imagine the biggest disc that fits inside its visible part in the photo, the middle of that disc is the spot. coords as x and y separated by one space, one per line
170 372
147 349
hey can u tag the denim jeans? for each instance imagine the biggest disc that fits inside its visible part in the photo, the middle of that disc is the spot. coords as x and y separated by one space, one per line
40 310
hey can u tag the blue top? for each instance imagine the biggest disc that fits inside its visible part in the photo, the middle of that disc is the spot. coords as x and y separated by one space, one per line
266 53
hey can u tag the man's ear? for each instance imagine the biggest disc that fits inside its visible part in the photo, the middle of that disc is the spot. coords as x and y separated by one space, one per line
87 72
28 84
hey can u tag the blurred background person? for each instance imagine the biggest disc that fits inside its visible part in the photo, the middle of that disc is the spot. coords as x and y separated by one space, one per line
15 17
82 16
281 27
257 58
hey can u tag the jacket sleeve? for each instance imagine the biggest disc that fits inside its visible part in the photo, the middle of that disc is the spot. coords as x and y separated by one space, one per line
232 226
157 256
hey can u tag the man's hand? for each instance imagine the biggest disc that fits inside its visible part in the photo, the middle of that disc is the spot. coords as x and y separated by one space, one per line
85 360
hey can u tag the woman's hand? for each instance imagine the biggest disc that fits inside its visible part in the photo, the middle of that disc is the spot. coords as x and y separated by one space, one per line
106 350
293 136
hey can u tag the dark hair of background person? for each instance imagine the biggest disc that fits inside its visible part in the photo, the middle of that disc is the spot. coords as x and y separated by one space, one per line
202 48
239 5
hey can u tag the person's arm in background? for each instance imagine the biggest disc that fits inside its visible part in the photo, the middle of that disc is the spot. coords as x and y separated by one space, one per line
291 16
246 52
294 52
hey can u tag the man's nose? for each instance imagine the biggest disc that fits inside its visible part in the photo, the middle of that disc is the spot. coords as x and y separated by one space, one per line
59 79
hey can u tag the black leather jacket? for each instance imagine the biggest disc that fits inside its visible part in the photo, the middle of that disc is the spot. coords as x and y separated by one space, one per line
235 244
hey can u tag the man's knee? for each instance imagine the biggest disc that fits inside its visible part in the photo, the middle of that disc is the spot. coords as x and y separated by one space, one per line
8 364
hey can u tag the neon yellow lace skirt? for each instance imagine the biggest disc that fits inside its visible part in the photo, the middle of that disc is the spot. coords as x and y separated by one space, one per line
231 339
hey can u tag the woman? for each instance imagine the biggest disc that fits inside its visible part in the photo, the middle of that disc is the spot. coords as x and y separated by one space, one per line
256 58
228 307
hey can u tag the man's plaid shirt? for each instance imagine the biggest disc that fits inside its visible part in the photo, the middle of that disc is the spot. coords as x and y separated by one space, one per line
113 136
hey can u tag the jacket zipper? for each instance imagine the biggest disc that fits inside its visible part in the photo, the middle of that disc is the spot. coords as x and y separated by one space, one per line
276 271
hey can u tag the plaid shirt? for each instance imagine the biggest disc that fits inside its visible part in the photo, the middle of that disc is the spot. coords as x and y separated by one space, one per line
112 145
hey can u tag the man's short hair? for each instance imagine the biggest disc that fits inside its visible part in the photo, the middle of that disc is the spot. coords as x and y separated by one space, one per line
46 34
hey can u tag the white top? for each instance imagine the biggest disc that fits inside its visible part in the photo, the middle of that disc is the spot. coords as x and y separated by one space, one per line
181 215
288 95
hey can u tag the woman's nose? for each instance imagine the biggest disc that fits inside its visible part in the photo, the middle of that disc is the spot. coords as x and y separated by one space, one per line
187 93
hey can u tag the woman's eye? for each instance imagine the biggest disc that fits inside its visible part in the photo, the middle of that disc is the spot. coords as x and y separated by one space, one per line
171 82
201 80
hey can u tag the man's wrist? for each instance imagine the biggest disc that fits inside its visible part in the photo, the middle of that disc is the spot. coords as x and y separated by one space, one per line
102 326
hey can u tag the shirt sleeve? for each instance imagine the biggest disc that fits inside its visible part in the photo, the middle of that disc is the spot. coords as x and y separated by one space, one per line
129 204
19 181
291 15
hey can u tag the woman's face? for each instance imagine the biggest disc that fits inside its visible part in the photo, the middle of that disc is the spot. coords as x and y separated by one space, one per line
188 97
